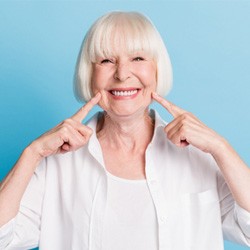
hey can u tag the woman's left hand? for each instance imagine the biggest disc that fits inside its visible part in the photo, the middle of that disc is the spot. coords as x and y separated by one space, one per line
186 129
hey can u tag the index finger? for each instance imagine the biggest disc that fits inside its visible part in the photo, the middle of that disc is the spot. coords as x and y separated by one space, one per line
83 111
171 108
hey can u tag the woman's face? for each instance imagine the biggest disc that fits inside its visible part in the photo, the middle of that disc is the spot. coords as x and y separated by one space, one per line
125 82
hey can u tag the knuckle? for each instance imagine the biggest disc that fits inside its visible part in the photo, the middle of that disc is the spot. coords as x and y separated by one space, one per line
185 115
67 121
84 140
169 136
87 130
184 123
74 144
90 131
185 118
64 129
184 132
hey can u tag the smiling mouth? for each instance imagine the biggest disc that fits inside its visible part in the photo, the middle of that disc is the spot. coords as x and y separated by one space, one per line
124 92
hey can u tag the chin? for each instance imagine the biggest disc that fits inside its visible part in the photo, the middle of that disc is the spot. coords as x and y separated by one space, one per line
127 112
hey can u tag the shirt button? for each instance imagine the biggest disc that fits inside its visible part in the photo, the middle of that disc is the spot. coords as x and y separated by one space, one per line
163 219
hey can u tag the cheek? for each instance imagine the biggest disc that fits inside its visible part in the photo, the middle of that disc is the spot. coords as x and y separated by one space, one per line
98 80
104 103
149 75
96 85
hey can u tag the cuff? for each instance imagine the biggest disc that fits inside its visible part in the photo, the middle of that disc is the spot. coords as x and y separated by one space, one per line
6 233
243 218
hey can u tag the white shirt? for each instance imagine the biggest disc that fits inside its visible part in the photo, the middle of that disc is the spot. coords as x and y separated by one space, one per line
63 207
130 216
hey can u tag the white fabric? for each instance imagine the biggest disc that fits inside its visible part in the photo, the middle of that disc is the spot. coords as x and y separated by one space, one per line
130 216
64 205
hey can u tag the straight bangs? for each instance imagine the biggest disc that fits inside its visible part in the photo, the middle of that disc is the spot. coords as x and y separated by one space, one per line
131 34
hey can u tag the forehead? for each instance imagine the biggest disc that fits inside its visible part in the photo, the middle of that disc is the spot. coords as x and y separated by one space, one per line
124 35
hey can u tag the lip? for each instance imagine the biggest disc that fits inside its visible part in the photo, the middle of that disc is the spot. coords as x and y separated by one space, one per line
124 89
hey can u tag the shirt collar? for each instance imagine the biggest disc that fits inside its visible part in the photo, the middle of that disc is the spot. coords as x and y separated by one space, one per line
94 146
159 123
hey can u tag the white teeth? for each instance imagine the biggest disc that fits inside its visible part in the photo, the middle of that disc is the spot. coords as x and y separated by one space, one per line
124 93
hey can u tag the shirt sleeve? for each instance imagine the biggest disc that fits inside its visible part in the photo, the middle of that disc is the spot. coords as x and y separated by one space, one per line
243 218
235 220
23 231
6 234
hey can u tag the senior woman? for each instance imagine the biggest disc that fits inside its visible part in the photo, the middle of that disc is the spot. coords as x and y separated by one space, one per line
128 180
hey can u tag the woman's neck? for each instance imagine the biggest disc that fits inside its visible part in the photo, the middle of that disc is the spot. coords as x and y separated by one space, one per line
128 134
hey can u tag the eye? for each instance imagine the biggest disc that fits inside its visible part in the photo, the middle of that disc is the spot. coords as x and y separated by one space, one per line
138 58
106 61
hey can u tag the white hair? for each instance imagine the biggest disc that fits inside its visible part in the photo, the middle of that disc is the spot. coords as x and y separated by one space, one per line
134 31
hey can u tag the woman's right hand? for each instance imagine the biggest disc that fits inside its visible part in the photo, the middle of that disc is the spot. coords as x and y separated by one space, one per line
67 136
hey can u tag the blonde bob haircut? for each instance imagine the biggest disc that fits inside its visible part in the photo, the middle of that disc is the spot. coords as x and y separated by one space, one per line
131 30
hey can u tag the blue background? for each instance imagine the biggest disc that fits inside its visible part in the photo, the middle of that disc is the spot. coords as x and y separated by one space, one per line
208 42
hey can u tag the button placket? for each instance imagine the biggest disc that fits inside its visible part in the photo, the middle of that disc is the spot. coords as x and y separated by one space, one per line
159 201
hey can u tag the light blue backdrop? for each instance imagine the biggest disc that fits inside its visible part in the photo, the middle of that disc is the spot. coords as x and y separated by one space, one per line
208 42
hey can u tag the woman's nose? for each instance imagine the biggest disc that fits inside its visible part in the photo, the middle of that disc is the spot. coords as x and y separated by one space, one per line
122 72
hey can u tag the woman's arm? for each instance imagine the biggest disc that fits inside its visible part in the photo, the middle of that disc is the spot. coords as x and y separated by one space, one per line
186 129
69 135
13 186
235 172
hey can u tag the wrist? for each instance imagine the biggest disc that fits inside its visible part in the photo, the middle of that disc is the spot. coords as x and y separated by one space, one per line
220 148
33 152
